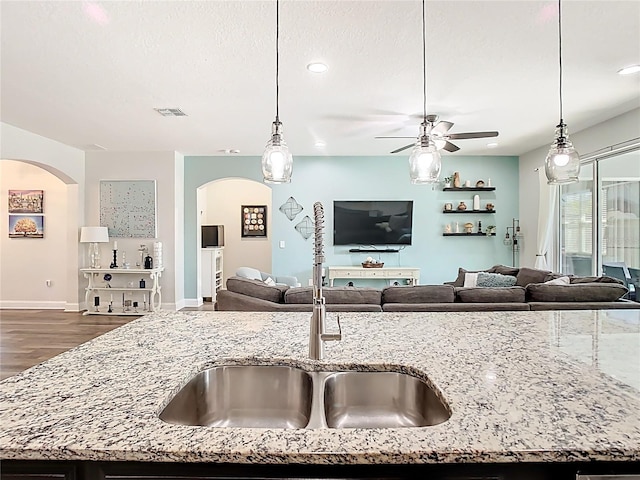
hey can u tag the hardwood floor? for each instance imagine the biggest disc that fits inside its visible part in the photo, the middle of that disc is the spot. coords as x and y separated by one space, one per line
29 337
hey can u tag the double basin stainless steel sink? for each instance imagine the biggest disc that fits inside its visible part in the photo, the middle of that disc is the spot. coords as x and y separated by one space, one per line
273 396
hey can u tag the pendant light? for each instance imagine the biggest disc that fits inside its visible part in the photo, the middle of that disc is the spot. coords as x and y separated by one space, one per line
424 162
562 164
277 162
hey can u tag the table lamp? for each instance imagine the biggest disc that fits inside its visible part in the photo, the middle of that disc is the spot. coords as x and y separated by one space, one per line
93 236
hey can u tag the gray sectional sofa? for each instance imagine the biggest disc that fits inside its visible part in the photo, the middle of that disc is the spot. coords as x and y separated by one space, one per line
530 292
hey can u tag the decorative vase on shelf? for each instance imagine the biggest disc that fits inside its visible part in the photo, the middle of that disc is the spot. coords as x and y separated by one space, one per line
456 179
476 202
462 206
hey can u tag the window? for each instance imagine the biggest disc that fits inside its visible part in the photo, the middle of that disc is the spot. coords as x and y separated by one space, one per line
614 182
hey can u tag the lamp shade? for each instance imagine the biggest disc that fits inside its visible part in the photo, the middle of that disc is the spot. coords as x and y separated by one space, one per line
94 235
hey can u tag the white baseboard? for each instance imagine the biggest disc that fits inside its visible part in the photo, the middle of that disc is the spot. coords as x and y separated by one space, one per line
192 302
31 305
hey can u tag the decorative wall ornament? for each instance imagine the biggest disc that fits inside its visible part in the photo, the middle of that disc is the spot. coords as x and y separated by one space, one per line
305 227
254 220
291 208
128 208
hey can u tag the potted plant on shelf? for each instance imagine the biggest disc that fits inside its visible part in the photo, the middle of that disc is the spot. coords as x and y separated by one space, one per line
447 182
491 229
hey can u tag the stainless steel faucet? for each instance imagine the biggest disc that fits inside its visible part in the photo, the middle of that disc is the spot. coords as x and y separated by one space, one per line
317 335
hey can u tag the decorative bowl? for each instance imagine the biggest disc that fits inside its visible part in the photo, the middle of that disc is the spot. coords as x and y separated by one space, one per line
372 265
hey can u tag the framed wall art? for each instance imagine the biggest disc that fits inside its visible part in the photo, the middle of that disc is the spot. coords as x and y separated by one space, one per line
26 201
26 226
254 220
128 208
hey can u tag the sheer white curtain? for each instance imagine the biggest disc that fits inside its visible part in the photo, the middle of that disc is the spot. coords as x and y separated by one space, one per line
546 206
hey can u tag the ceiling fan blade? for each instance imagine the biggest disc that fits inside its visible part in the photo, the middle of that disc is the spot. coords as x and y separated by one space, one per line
403 148
442 127
459 136
450 147
413 136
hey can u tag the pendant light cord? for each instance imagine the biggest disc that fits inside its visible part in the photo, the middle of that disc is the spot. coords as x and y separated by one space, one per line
560 53
277 61
424 62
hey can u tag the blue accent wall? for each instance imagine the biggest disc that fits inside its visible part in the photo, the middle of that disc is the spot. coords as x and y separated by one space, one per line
326 179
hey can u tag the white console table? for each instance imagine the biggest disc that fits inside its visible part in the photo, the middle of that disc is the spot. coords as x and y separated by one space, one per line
122 290
399 273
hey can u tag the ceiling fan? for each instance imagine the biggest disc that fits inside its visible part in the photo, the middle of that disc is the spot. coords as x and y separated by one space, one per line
437 130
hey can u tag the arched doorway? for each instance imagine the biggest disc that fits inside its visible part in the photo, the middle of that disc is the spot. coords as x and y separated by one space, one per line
41 273
219 203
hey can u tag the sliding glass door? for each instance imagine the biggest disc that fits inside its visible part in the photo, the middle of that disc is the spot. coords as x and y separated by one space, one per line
599 219
576 225
620 206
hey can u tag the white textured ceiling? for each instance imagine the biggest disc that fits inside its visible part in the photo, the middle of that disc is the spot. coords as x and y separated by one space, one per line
88 73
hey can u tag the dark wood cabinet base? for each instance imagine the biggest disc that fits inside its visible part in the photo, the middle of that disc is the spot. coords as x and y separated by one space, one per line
44 470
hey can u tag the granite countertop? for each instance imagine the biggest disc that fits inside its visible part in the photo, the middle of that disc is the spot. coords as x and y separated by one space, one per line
522 386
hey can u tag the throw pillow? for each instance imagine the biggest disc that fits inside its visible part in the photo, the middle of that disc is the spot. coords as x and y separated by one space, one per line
470 279
270 281
495 280
559 281
250 273
528 275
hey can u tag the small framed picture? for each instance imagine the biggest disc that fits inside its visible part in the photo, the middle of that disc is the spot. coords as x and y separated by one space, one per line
26 226
26 201
254 220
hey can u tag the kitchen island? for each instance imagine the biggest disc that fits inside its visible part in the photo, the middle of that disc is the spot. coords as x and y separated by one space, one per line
532 395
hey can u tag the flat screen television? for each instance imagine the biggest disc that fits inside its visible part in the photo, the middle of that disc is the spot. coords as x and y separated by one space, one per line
377 222
212 236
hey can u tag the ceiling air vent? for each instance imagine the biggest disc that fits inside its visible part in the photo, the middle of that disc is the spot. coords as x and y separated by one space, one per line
170 112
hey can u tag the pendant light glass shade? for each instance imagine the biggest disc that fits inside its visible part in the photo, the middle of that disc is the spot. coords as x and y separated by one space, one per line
277 162
424 162
562 164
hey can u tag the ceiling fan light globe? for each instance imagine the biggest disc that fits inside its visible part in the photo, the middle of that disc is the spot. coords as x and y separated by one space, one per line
425 164
277 161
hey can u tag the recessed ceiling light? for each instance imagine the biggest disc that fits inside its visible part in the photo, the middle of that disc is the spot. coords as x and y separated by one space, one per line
317 67
492 145
320 144
229 150
629 70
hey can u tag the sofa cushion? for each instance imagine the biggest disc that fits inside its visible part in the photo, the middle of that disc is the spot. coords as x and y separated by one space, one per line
419 294
580 292
454 307
335 295
504 270
602 279
528 275
257 289
491 295
486 279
